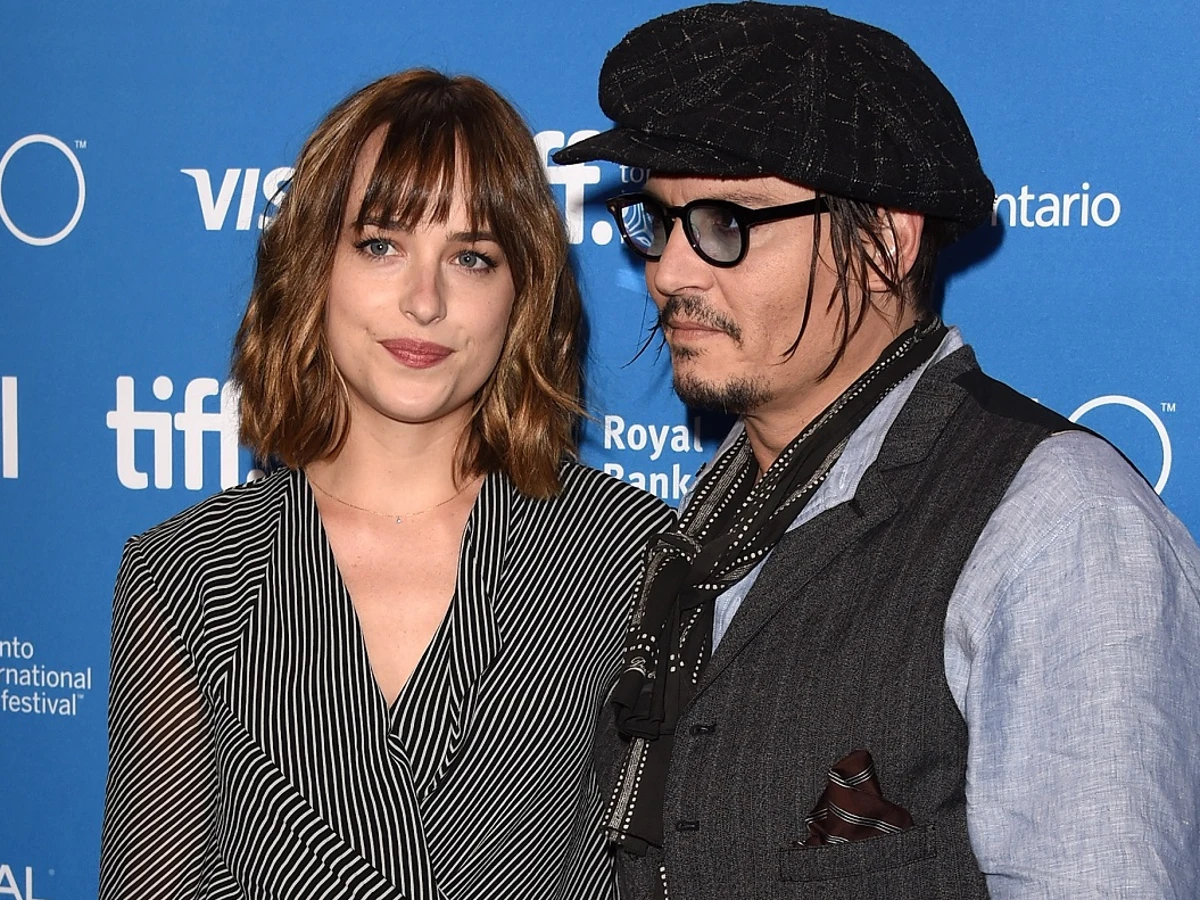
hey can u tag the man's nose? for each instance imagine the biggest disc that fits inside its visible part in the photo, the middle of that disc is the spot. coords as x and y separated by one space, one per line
679 270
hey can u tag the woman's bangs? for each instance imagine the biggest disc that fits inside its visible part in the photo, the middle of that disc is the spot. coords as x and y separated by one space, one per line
416 175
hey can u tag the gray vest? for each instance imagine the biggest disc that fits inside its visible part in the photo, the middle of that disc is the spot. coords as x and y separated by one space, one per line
839 646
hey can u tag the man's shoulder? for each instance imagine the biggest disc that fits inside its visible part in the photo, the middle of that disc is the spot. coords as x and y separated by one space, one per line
1075 468
989 395
1000 399
1067 456
1075 498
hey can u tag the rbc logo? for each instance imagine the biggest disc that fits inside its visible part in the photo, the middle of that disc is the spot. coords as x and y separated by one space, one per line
10 887
193 422
80 188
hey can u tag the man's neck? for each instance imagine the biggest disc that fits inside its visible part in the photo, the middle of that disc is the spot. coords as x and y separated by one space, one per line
769 429
775 424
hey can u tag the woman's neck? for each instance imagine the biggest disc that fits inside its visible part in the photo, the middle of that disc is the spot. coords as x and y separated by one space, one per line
395 467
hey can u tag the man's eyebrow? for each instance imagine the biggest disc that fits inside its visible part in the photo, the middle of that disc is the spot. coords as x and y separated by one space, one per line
730 195
754 199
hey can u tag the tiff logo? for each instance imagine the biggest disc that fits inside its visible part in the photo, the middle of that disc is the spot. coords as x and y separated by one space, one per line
193 423
572 178
8 426
214 207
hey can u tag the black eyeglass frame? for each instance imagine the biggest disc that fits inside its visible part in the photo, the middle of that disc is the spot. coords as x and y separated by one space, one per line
745 217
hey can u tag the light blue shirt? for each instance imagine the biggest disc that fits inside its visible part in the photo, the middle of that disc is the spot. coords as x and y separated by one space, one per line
1072 648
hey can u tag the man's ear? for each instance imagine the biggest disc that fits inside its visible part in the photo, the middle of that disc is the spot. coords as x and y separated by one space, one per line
894 250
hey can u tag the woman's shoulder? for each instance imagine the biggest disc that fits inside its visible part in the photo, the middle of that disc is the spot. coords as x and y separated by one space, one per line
221 523
589 491
198 570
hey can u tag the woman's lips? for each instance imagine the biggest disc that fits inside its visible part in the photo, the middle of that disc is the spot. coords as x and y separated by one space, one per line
416 354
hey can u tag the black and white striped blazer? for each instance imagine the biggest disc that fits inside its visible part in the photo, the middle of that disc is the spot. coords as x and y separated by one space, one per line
252 754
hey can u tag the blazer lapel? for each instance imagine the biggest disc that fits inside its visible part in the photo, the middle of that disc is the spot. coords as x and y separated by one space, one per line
787 573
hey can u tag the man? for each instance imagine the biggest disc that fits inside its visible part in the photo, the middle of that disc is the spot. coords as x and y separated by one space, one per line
892 558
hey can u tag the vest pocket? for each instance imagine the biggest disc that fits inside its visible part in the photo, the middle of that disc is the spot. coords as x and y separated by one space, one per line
888 851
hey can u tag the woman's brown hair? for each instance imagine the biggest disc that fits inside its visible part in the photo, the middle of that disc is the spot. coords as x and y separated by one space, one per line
439 132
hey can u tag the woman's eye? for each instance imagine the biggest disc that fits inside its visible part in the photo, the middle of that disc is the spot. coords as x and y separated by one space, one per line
375 248
473 259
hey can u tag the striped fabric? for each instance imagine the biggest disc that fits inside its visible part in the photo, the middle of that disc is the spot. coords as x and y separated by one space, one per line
252 754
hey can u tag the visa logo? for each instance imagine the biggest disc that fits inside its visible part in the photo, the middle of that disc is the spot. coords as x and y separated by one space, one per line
215 202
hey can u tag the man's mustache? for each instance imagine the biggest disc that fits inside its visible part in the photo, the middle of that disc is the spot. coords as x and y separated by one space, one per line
695 309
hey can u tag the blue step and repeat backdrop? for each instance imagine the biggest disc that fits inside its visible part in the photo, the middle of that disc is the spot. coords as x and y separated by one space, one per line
140 143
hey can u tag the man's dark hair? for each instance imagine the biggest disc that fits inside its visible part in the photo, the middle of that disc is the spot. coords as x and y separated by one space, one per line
861 236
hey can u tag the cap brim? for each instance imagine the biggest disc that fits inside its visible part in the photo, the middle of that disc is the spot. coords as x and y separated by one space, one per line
630 147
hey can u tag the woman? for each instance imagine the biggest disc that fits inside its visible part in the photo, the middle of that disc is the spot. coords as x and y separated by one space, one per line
376 672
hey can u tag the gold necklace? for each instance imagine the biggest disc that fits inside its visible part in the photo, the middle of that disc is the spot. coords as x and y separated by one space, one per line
400 518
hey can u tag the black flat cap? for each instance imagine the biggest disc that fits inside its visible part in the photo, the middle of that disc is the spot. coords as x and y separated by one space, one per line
794 91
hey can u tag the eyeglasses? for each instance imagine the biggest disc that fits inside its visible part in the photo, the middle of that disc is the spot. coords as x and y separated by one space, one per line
718 230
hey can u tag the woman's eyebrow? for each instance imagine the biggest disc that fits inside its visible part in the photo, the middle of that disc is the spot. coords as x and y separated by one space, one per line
463 236
380 222
469 236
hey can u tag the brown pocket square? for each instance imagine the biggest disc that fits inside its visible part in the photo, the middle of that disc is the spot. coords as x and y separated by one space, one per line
852 808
